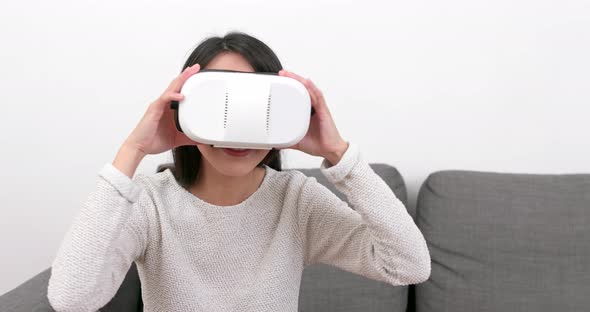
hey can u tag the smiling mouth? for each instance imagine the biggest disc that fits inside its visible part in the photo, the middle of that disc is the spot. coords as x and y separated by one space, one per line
236 152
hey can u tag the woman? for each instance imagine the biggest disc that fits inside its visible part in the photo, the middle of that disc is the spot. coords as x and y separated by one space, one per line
228 230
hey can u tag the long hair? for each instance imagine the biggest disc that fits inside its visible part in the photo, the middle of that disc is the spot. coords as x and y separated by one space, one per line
187 158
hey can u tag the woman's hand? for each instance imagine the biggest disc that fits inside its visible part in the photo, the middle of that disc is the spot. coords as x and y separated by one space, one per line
156 131
322 138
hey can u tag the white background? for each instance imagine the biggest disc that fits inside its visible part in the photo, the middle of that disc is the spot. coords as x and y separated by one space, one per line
422 85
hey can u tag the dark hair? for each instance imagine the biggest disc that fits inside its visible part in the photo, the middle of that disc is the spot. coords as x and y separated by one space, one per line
187 157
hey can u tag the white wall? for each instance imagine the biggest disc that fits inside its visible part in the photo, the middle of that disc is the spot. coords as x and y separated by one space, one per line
422 85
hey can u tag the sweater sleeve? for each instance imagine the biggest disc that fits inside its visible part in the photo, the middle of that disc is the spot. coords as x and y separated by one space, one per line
375 238
107 235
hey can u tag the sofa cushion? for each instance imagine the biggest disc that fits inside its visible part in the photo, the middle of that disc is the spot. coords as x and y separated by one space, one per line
505 242
327 288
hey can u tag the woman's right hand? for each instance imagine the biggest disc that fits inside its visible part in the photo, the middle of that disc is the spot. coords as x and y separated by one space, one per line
156 131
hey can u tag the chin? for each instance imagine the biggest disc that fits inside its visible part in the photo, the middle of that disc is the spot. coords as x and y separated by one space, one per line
234 169
230 165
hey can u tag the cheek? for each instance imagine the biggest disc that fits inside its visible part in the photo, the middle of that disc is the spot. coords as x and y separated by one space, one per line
207 150
262 154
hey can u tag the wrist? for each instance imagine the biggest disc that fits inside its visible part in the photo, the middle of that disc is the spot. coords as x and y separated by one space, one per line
128 158
133 148
335 156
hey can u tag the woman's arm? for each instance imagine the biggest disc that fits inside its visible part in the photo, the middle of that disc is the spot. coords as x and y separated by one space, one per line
110 231
378 239
107 235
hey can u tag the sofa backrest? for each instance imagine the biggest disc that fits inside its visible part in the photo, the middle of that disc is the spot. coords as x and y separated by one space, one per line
505 242
31 296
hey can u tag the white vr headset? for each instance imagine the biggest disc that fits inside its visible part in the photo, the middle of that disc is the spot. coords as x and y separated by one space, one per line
234 109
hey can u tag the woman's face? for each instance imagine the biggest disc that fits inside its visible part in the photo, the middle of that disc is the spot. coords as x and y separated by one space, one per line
218 157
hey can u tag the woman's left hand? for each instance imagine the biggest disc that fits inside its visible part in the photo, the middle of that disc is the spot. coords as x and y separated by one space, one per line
322 138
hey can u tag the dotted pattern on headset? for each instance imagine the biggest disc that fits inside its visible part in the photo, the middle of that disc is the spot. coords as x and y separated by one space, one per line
268 111
225 114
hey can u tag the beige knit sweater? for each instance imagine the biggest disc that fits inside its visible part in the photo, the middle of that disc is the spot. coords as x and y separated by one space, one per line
195 256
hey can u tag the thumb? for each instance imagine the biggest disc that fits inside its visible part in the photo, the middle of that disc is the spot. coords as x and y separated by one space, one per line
182 139
293 147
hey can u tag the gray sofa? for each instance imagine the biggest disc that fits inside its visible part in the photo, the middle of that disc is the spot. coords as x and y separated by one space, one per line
498 242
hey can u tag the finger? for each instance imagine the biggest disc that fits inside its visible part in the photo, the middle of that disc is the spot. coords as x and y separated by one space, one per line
293 147
308 86
293 75
174 81
167 97
186 75
181 139
172 96
177 83
321 101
